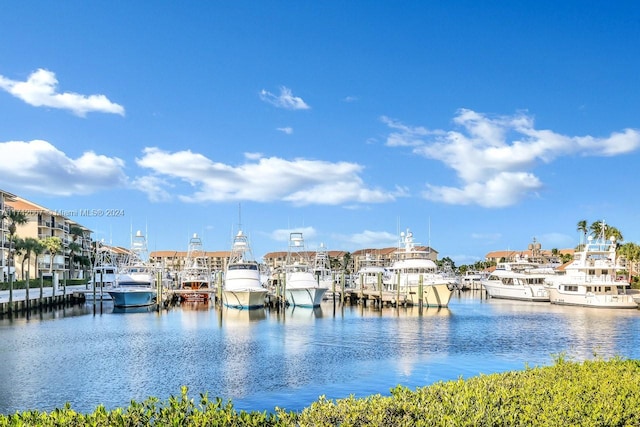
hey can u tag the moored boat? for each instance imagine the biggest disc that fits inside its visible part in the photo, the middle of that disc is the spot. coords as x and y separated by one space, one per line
195 278
242 287
591 279
322 268
302 288
103 274
135 280
516 286
413 272
371 274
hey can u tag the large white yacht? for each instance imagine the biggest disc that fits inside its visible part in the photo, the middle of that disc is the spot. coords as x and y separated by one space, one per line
412 270
591 279
242 287
522 278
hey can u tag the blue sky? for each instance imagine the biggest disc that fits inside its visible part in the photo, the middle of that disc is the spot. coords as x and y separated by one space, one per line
478 125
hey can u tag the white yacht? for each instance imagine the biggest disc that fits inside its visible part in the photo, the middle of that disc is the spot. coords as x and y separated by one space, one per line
591 279
322 268
242 287
510 284
522 278
302 288
371 273
470 280
412 269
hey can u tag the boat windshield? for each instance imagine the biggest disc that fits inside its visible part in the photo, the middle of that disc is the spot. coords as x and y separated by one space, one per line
243 267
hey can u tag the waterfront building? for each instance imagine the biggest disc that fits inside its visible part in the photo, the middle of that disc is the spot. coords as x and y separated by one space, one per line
5 197
42 223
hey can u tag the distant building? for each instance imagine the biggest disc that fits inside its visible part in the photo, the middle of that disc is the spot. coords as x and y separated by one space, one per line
174 261
533 252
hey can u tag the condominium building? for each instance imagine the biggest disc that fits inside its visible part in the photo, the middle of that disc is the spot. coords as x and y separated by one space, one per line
41 223
175 261
5 197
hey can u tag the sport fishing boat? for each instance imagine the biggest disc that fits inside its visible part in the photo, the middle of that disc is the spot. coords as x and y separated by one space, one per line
302 288
135 280
195 278
242 287
322 268
103 275
591 279
412 270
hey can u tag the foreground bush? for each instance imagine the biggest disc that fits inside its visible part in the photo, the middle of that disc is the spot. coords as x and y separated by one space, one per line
592 393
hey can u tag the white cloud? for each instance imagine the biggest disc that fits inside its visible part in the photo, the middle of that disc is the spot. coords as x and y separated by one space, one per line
285 100
282 234
299 181
154 187
39 166
288 130
494 156
39 90
371 239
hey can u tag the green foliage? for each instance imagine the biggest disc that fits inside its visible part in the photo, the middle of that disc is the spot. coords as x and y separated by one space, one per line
591 393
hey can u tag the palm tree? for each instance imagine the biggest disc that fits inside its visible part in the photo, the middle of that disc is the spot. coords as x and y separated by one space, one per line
582 228
74 249
631 252
30 246
53 245
15 218
599 228
77 235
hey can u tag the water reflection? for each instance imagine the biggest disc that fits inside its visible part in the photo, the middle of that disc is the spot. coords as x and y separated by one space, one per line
267 357
123 310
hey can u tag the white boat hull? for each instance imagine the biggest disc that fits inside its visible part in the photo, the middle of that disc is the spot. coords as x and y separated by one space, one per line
587 299
306 297
496 289
133 297
433 295
244 298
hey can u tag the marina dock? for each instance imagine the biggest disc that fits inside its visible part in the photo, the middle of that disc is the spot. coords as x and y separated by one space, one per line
62 296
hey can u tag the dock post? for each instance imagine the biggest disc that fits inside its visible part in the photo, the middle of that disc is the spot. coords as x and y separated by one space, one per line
41 303
27 296
158 290
333 288
284 291
420 293
361 293
342 280
11 287
380 287
398 290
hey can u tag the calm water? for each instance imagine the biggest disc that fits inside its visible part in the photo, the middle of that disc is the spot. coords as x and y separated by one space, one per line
262 359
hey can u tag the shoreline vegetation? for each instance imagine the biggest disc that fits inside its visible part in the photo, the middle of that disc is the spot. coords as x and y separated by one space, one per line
590 393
